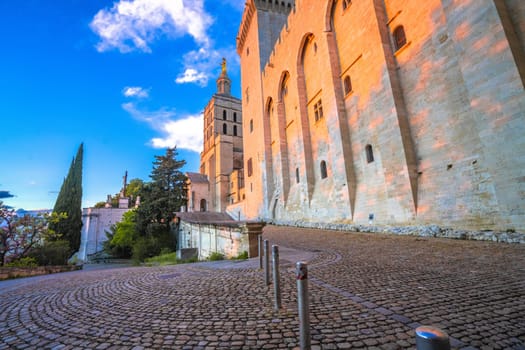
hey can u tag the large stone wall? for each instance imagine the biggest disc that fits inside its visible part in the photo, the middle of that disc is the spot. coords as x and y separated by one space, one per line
444 114
96 221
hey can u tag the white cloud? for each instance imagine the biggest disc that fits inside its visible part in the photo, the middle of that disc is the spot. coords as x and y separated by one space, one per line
184 132
135 91
203 64
190 75
134 24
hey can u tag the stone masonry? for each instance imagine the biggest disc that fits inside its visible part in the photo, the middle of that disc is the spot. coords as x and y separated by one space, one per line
398 111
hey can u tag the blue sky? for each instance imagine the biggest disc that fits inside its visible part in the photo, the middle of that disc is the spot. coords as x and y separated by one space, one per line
127 78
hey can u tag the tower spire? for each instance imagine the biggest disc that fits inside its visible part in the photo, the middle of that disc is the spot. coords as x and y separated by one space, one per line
224 82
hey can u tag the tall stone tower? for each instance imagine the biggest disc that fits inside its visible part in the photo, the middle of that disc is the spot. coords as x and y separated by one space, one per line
261 25
223 150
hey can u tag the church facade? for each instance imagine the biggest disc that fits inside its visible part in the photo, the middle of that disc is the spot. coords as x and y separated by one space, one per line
382 111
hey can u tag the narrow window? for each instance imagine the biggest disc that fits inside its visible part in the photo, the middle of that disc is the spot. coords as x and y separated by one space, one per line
224 128
369 154
235 116
400 38
251 125
235 130
346 3
223 115
250 167
347 85
324 173
318 110
297 175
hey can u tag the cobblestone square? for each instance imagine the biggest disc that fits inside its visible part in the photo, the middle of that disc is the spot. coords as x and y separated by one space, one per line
366 291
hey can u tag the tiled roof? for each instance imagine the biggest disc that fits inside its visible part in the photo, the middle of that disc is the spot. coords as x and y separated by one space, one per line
197 177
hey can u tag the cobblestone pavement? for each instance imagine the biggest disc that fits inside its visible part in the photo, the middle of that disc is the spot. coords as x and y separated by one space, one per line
366 291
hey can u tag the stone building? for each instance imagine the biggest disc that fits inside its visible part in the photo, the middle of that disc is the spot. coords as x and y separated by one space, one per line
378 111
219 182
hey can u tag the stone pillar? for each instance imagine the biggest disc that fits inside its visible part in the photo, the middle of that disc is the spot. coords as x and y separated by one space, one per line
253 230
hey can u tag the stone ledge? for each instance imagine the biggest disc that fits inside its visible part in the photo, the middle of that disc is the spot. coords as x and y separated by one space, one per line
418 230
17 272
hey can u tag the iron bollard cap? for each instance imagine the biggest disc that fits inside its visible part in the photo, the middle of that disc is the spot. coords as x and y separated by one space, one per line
429 332
301 270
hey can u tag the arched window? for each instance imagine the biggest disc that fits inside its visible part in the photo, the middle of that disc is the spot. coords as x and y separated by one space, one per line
223 115
324 173
400 38
235 130
297 175
369 154
347 83
224 129
251 125
235 116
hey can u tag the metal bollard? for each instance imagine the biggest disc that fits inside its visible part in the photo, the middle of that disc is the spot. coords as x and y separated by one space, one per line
303 305
431 338
276 277
260 252
266 262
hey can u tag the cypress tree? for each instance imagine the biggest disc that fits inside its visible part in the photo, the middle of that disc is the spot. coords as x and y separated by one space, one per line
69 201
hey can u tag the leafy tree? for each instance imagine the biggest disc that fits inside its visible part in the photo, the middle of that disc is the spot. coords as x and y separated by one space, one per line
99 205
123 236
20 235
69 201
134 187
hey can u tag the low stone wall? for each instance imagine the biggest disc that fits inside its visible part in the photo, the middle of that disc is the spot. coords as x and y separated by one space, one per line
229 239
16 272
420 230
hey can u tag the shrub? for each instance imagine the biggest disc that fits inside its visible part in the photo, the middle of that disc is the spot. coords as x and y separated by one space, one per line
242 256
216 256
163 259
146 247
52 253
23 262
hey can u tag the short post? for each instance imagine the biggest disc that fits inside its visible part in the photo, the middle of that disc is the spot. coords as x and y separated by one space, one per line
303 305
266 262
276 277
260 252
431 338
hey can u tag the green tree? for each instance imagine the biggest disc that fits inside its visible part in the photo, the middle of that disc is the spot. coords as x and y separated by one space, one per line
161 199
123 236
69 201
165 194
134 187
